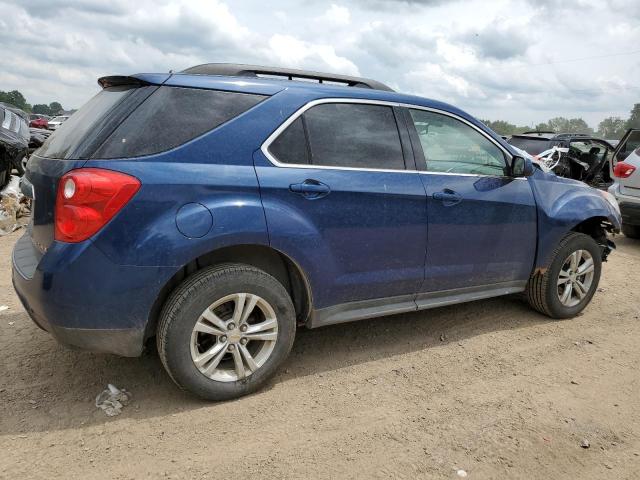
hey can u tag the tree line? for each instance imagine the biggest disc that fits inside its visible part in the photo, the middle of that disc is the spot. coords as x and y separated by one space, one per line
612 128
16 99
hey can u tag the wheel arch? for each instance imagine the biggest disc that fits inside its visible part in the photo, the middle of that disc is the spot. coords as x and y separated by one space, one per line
280 266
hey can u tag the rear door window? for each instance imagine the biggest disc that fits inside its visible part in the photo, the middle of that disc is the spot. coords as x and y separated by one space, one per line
172 116
354 135
291 144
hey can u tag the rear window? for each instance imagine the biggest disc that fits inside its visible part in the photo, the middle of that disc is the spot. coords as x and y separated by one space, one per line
71 133
172 116
533 146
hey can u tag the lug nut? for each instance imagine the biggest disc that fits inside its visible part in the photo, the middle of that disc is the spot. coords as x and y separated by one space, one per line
243 341
232 348
243 328
231 326
223 338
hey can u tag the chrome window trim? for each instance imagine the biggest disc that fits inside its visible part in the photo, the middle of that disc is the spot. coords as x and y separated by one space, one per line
283 126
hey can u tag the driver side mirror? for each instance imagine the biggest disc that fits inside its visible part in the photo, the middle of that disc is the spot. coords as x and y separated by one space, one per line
521 167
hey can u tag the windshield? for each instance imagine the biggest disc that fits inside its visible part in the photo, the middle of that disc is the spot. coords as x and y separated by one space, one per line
533 146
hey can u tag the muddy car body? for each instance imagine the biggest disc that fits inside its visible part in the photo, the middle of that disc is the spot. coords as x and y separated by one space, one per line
216 210
14 141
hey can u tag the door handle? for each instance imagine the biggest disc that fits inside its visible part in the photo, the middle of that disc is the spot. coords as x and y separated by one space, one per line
310 189
447 197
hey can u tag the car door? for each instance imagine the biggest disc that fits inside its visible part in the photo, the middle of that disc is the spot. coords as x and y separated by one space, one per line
340 201
481 221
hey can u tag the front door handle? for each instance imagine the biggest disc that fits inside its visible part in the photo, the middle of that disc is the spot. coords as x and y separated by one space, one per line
310 189
448 197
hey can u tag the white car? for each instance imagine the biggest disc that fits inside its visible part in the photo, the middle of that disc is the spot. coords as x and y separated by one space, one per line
55 122
625 171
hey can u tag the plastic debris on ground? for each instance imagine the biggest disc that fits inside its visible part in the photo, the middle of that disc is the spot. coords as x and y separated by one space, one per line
15 208
3 308
112 400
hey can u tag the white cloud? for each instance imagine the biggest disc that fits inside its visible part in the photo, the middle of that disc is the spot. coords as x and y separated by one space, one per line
337 16
517 60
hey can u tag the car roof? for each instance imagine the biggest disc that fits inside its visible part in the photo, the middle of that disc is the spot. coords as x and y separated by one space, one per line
308 89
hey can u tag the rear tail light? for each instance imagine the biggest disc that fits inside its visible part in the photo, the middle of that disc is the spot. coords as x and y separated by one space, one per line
87 199
623 170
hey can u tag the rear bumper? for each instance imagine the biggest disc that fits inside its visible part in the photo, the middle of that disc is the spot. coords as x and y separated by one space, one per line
629 205
83 299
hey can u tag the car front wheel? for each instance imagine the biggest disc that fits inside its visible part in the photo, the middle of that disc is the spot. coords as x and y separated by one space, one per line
571 280
224 331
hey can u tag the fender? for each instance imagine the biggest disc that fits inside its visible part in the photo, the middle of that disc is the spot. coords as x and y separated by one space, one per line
562 205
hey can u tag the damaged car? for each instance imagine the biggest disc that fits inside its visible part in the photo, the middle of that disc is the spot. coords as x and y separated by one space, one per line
218 209
14 140
570 155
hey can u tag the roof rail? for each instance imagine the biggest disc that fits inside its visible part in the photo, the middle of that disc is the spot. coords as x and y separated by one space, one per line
240 70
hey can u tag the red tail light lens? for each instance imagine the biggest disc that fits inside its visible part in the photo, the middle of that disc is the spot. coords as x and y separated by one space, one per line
623 170
87 199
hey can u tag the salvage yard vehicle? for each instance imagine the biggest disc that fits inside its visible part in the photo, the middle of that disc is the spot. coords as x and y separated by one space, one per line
586 159
219 208
37 120
14 141
55 122
626 186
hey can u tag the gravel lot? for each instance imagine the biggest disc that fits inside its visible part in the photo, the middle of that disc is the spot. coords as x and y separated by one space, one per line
489 387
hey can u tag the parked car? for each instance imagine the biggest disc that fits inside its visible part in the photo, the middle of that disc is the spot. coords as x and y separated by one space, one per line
217 210
55 122
587 158
37 120
626 186
14 138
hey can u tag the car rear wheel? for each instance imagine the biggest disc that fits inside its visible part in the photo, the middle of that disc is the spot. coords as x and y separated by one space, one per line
631 231
224 332
571 280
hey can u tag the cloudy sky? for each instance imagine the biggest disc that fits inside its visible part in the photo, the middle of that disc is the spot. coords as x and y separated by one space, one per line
523 61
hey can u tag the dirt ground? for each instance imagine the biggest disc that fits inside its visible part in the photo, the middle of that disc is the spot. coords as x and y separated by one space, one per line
489 387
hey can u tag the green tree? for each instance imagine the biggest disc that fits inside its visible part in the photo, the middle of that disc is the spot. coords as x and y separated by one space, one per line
565 125
503 127
16 99
612 128
55 108
634 117
41 108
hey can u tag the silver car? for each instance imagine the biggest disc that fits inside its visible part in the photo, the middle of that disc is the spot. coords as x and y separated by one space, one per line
625 171
55 122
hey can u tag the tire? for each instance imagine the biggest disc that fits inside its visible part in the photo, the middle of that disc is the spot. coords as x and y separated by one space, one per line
544 290
179 346
631 231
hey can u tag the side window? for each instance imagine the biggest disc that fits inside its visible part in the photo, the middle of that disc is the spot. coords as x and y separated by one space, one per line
291 145
354 135
169 117
454 147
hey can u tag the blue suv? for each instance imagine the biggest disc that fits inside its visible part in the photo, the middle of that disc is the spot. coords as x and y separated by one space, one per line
220 208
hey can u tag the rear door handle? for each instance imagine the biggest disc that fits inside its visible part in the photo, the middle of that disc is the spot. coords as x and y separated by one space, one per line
448 197
310 189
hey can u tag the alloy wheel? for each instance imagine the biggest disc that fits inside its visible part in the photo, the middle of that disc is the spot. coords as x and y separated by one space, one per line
234 337
575 278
